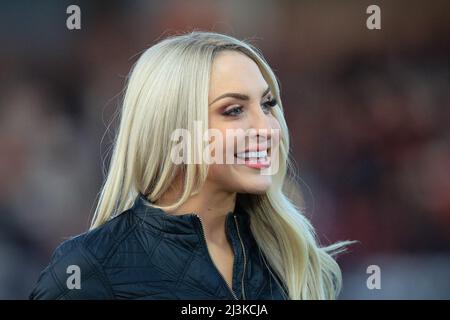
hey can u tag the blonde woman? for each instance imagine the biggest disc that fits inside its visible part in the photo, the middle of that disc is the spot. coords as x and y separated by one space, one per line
165 229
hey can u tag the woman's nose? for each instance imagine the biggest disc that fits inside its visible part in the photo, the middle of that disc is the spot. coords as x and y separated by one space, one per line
260 125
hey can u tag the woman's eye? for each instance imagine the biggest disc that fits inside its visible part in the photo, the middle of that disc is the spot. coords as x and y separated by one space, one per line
233 111
237 110
269 104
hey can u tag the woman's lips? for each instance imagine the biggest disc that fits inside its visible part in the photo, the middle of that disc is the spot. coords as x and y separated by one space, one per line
255 163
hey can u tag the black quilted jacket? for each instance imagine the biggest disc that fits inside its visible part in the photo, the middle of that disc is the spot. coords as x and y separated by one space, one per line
145 253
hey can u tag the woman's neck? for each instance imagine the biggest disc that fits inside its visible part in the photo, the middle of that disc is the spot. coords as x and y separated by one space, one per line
211 204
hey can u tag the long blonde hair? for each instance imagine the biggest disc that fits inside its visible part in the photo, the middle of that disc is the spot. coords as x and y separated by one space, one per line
168 89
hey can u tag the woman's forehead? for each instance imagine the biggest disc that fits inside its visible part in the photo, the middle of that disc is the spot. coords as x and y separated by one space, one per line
235 72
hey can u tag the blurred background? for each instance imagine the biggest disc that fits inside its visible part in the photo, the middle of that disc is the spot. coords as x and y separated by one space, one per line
368 110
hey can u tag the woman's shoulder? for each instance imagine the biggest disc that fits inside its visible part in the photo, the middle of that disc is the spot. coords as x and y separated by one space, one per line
76 268
73 273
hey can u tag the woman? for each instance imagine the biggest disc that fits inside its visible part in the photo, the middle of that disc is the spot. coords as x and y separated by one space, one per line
165 229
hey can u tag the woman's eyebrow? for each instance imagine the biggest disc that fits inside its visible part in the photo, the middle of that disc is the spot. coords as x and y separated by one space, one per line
238 96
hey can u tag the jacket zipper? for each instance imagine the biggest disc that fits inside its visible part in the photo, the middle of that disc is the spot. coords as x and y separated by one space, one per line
245 258
220 274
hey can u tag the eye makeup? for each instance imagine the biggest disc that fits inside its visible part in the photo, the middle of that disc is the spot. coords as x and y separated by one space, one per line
238 109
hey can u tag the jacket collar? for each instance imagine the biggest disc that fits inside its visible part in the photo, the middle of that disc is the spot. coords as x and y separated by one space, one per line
181 223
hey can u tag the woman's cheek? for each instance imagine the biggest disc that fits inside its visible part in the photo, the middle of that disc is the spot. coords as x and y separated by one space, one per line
274 123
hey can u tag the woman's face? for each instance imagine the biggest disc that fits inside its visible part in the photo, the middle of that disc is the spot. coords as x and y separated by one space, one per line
240 103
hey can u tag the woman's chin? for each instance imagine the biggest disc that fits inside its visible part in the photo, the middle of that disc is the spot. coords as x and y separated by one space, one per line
255 184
